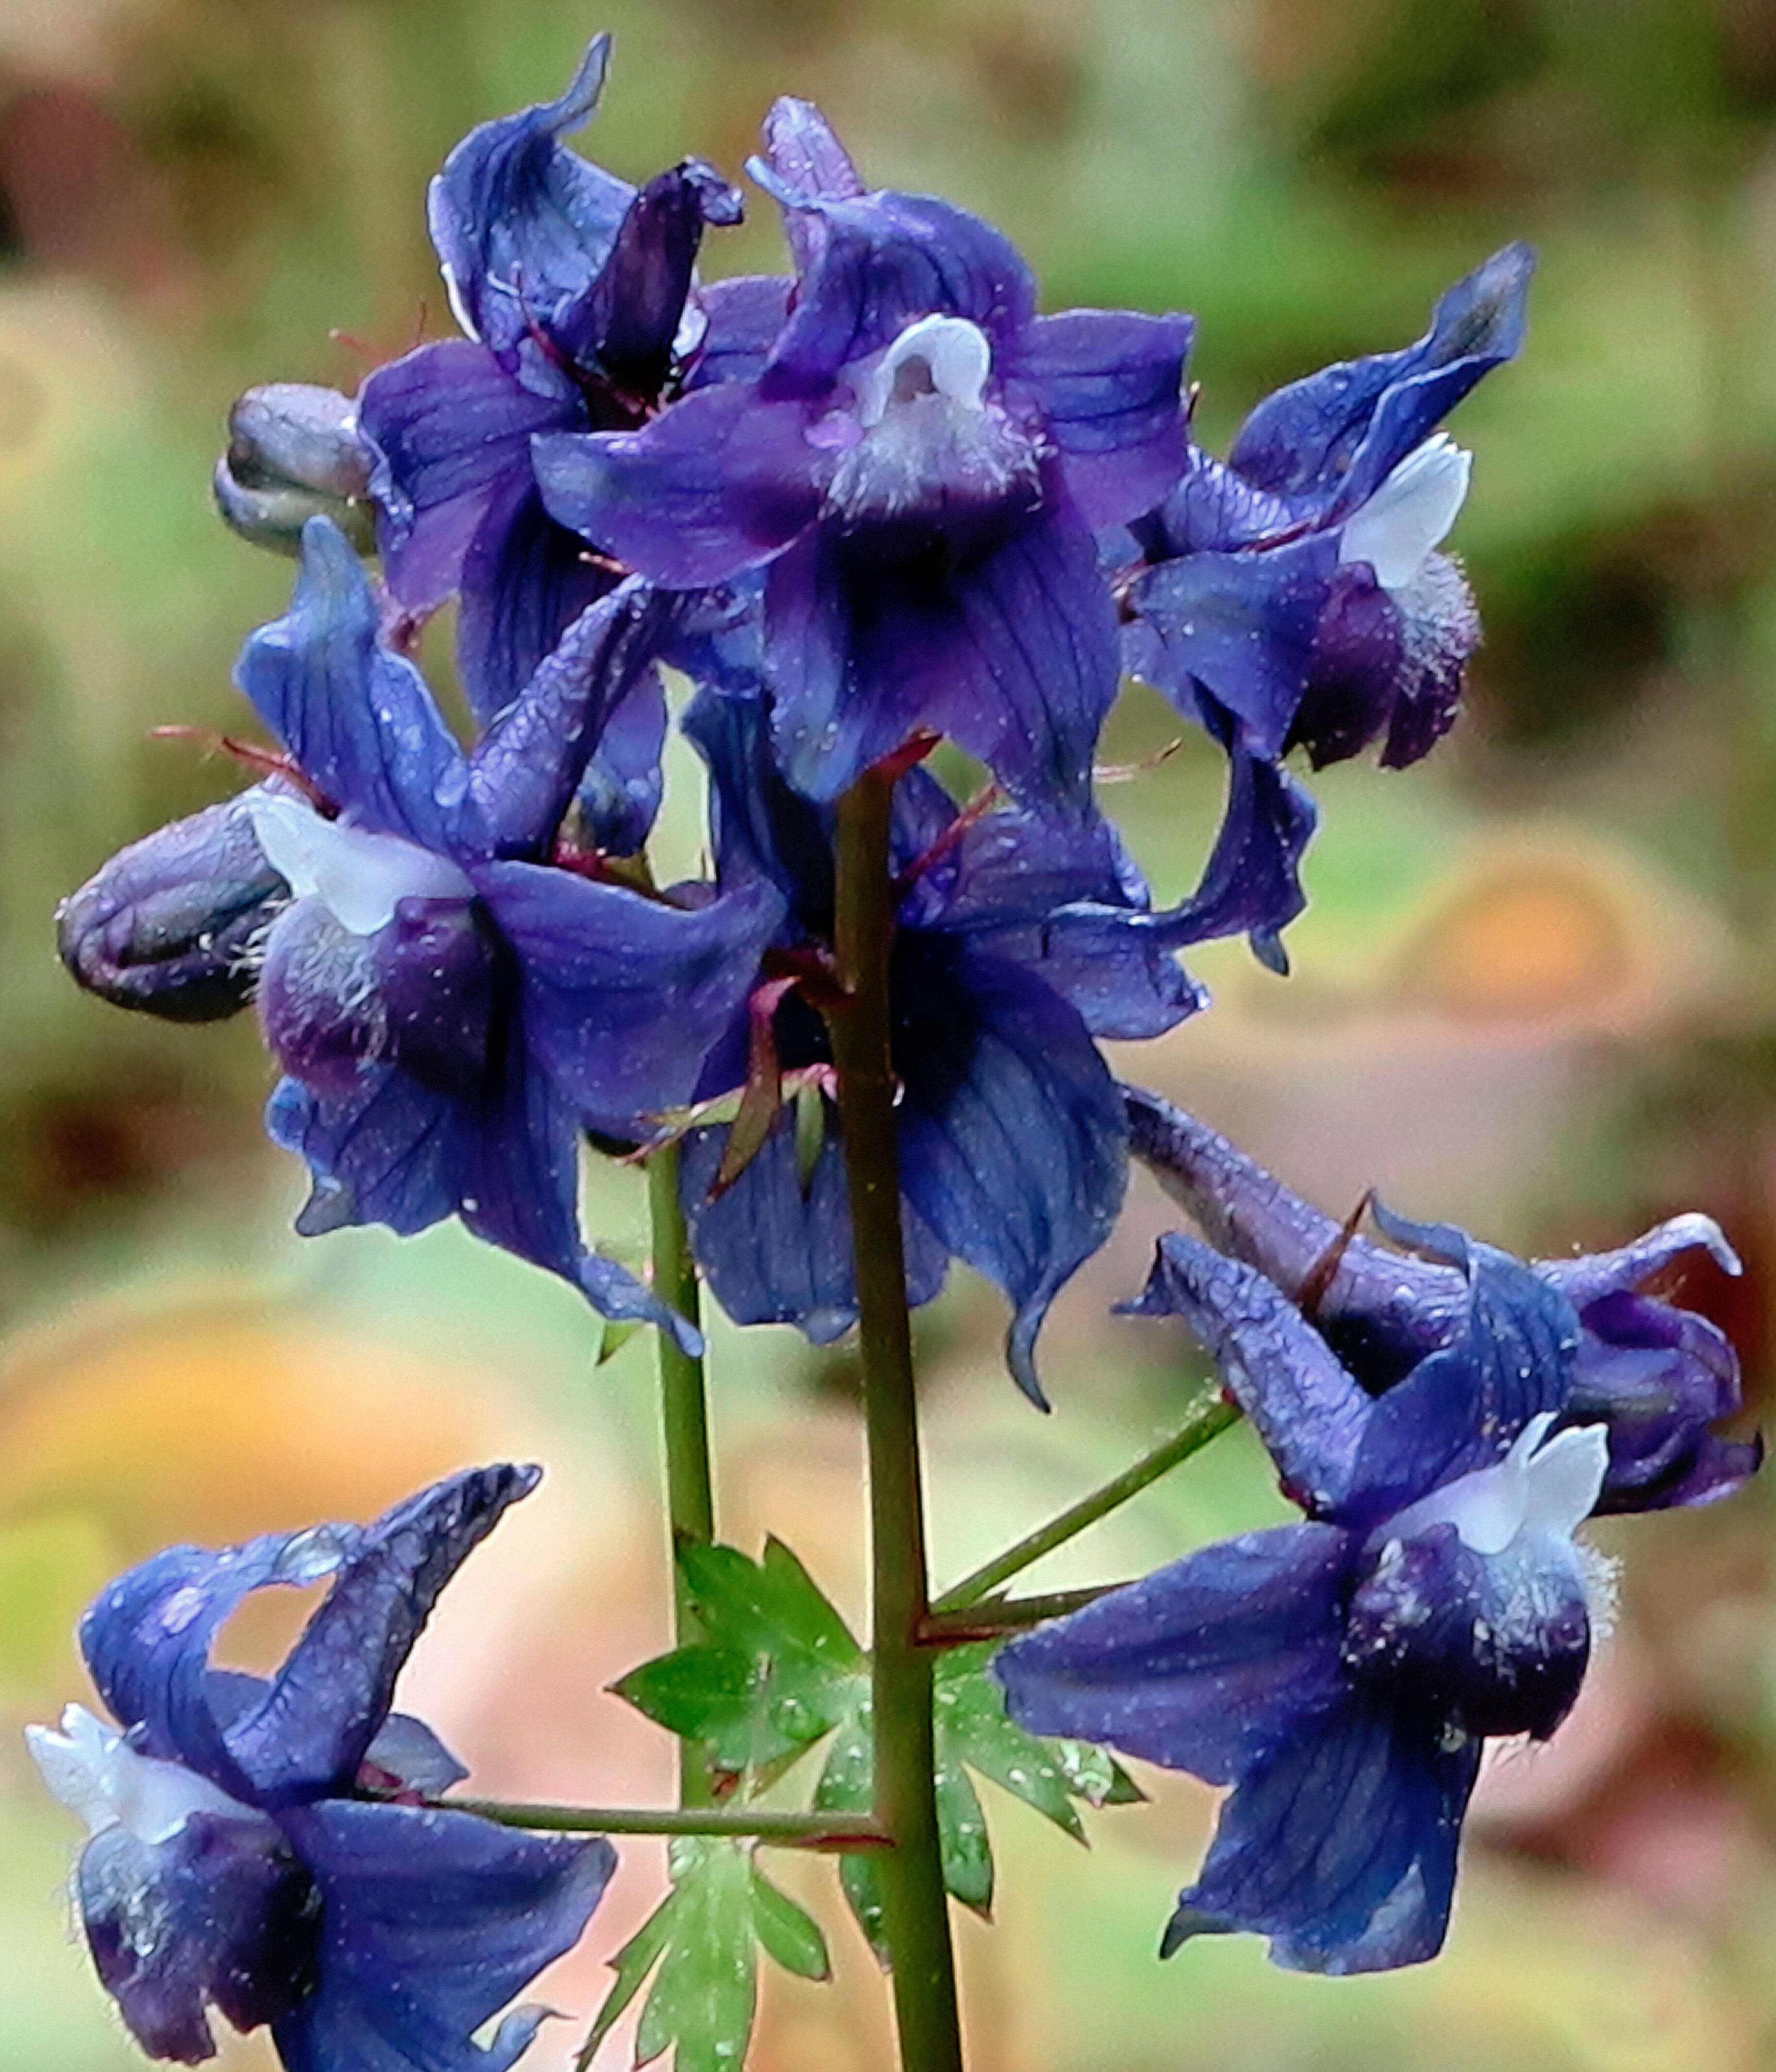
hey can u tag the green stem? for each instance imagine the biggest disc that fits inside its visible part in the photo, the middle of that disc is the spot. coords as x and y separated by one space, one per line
685 1422
998 1615
916 1921
1211 1414
787 1830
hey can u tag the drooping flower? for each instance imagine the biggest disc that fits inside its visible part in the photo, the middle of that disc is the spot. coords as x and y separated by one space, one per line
1019 940
1658 1377
452 1008
1295 594
261 1847
1341 1675
571 288
917 462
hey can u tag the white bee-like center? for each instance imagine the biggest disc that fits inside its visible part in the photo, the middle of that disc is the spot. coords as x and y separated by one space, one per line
95 1773
1399 527
1539 1490
361 876
926 433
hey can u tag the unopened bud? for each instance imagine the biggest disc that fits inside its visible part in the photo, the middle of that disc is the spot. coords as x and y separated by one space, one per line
293 454
171 924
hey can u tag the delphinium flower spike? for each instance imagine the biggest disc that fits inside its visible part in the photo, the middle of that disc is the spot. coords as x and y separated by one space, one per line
261 1847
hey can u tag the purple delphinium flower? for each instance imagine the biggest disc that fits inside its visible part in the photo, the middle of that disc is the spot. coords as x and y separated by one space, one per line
572 287
1294 594
451 1008
261 1847
1342 1674
1019 940
1658 1377
917 463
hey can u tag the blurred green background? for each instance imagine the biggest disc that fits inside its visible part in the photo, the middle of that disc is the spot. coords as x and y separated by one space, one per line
1534 991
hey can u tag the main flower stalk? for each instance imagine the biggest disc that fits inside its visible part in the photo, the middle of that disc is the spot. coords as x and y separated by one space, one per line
917 1924
685 1423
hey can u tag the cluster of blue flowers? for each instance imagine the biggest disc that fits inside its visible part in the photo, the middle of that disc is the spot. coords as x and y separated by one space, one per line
862 507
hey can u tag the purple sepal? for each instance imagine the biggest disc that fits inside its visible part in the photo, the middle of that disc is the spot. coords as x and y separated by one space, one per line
430 1922
524 770
1011 1135
357 717
1196 1665
169 925
220 1913
1011 650
1340 1844
742 319
627 322
1241 626
449 431
624 995
146 1639
775 1247
619 795
716 484
1251 883
1658 1375
1107 385
871 263
1329 441
1063 898
1310 1413
523 580
521 225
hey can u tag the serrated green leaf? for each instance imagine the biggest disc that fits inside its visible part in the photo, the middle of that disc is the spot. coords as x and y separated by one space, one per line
962 1835
789 1935
973 1727
777 1671
846 1786
860 1879
702 1693
1094 1775
706 1989
632 1963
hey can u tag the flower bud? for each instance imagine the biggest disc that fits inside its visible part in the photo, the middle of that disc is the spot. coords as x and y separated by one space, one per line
170 925
294 453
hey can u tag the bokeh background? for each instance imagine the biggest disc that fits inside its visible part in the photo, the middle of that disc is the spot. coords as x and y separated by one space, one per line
1533 993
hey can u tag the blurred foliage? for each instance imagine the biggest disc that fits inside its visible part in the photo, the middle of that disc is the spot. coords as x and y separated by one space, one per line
1534 991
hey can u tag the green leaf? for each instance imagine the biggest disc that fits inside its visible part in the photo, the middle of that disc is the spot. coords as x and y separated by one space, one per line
706 1989
632 1963
847 1785
973 1727
1094 1775
791 1936
777 1668
962 1834
613 1338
